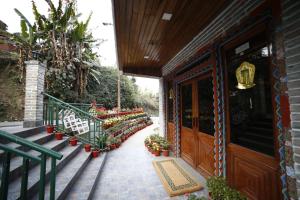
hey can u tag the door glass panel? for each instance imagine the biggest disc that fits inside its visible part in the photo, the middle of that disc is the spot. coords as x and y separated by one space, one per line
250 110
187 114
206 108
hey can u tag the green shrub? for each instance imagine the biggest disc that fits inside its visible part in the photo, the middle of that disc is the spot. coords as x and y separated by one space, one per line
219 190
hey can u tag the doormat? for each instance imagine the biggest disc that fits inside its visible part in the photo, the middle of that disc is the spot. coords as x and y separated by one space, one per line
175 179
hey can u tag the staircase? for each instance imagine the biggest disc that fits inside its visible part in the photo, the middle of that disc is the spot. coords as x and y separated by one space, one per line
76 173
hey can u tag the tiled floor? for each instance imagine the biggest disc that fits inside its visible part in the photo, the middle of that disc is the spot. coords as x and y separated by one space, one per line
129 174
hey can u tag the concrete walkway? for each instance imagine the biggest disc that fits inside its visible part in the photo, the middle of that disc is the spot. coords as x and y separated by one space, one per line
128 173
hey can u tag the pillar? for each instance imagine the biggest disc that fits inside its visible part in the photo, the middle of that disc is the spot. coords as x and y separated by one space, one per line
35 74
161 108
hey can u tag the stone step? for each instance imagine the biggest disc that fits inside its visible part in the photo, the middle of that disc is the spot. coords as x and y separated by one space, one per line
69 152
40 138
24 133
66 178
84 187
16 162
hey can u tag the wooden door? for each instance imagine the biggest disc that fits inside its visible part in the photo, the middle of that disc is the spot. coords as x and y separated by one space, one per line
187 136
170 116
205 125
252 161
197 124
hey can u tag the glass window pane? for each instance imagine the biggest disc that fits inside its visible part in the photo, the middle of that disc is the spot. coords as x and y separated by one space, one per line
170 102
251 112
206 108
187 114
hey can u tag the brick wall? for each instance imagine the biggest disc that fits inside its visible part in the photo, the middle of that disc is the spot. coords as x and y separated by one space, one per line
291 32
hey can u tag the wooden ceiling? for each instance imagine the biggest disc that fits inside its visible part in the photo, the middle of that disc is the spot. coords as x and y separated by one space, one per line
140 30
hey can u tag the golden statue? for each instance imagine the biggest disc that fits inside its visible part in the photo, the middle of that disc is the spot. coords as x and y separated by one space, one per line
245 75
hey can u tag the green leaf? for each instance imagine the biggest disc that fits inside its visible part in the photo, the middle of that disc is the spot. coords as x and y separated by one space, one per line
37 16
24 29
23 17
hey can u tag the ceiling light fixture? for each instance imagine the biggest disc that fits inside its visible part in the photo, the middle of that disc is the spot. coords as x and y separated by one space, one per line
167 16
146 57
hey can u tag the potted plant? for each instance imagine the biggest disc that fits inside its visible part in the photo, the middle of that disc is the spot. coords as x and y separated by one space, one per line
95 152
123 138
73 141
194 197
59 135
118 142
50 128
87 147
218 189
147 141
156 149
165 148
113 142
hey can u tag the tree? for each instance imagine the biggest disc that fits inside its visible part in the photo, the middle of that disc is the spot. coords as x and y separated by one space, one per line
65 42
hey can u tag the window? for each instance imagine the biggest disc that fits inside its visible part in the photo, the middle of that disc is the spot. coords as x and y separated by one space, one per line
206 108
170 99
187 114
250 110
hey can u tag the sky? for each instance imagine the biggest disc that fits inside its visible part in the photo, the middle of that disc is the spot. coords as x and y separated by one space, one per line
102 12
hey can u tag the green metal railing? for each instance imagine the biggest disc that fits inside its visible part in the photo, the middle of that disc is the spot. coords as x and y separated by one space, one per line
84 106
55 111
45 153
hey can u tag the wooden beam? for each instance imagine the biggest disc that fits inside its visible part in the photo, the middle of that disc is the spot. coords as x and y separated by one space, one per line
143 71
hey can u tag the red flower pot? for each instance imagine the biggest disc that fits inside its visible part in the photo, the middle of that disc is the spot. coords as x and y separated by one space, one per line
165 153
73 142
112 146
50 129
59 135
87 147
156 153
95 153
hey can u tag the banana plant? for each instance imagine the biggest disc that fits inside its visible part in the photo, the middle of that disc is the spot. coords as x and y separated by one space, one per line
65 41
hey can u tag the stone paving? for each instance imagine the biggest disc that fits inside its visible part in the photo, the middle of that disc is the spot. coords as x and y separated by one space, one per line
128 173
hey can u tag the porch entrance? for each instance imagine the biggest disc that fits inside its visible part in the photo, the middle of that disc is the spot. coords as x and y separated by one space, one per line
197 123
252 161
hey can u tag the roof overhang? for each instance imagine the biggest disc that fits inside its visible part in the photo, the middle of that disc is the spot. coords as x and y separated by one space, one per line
150 33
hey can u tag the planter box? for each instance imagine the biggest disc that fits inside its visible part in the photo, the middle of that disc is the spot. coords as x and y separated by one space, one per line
156 153
50 128
73 142
59 135
87 148
165 153
95 153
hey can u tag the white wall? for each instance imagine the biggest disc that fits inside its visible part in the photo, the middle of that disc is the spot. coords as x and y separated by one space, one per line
161 108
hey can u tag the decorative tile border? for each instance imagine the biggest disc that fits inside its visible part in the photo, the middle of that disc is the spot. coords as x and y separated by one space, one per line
221 114
277 88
